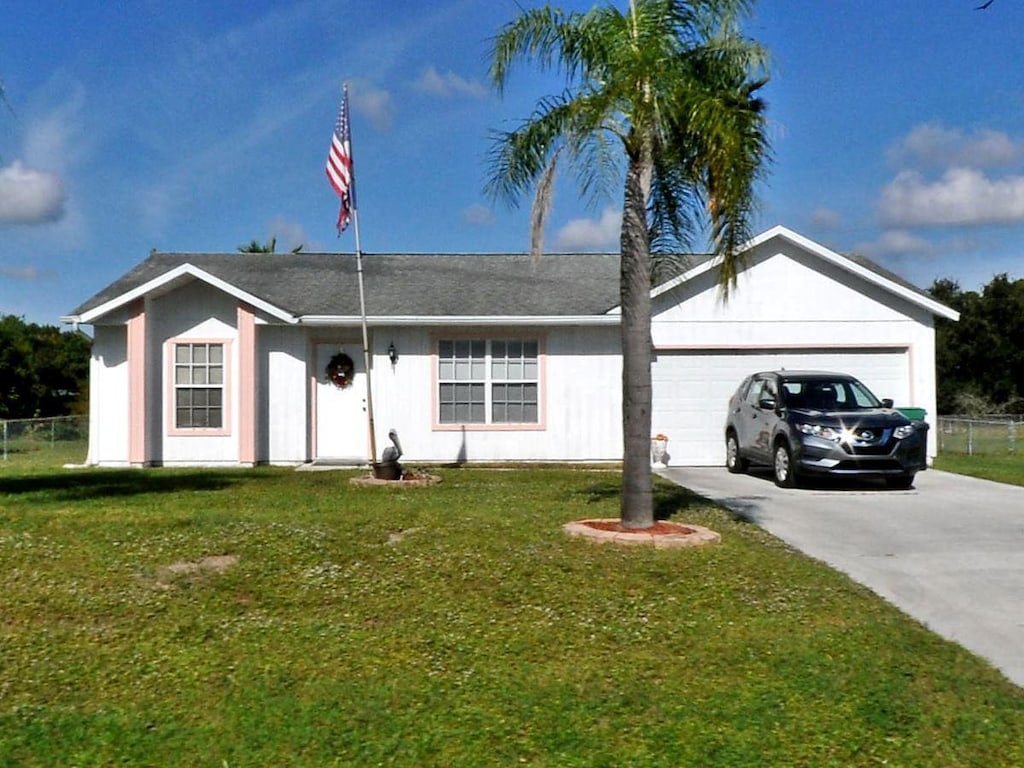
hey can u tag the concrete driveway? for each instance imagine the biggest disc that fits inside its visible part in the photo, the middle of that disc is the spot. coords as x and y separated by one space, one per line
949 553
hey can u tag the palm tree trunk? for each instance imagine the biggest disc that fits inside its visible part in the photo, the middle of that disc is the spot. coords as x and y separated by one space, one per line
637 509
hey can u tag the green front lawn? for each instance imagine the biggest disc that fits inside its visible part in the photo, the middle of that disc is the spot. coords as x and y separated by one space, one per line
35 454
1003 468
449 626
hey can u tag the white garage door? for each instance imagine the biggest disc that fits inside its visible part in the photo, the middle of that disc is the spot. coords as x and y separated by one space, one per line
692 389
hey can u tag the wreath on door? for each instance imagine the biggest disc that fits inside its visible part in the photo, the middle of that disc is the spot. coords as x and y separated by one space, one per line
340 370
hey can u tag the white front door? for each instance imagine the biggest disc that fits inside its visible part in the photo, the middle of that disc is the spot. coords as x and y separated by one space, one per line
342 432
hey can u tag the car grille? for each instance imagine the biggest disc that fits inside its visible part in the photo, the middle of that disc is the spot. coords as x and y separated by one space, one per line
869 450
870 442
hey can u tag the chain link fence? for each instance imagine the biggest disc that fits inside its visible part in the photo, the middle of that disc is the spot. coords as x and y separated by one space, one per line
980 435
69 435
58 434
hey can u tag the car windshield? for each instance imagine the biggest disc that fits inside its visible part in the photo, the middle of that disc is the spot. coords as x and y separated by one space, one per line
821 394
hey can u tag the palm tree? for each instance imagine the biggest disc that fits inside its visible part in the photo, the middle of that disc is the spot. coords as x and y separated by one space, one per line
667 89
255 246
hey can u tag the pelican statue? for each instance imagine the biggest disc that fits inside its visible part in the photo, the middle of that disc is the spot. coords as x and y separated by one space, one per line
393 452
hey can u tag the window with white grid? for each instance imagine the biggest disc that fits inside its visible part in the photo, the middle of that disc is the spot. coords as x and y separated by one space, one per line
488 381
198 385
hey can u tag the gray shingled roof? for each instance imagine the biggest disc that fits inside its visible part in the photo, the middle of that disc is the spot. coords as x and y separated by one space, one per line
417 285
401 284
881 271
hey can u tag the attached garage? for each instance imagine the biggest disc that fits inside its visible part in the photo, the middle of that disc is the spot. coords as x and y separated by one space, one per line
796 305
692 388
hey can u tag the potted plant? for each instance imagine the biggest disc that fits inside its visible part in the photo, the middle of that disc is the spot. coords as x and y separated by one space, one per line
659 450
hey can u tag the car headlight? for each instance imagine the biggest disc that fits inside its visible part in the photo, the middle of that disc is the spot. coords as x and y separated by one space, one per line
835 434
905 431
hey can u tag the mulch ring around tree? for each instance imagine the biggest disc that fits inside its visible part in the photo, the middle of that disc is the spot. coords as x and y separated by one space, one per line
662 535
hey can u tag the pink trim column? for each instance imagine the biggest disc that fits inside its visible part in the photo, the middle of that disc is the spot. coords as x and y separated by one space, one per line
136 344
246 385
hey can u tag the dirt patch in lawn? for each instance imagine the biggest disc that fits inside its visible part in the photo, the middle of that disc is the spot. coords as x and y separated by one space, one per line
168 576
408 480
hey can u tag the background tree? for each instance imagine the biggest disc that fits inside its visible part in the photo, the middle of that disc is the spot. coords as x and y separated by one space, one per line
43 371
980 359
665 92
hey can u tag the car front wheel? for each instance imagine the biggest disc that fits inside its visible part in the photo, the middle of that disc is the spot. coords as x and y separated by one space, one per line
785 473
733 461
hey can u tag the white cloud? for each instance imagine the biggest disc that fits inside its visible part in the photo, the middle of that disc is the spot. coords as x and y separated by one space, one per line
588 234
290 235
29 196
826 217
158 202
478 214
55 139
33 188
26 274
962 196
932 145
896 242
373 102
449 84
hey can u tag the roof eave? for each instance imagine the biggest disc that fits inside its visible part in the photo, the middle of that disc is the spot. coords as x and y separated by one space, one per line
461 320
183 270
935 307
826 254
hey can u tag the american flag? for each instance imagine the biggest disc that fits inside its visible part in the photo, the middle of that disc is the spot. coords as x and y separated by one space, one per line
339 165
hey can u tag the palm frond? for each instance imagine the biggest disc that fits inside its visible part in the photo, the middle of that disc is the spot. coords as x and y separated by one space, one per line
548 37
516 159
542 207
594 143
711 148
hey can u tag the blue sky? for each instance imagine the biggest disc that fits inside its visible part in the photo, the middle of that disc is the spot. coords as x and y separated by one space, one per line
897 128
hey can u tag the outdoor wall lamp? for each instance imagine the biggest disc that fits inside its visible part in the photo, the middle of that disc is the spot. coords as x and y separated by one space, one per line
392 353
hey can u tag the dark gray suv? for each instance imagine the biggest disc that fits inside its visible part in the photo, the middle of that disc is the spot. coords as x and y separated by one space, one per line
804 423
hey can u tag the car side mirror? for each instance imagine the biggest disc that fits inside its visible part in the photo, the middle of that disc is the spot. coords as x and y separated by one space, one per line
887 403
767 404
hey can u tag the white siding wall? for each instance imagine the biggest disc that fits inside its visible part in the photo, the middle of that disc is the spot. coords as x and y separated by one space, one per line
108 396
581 392
781 296
194 311
402 394
282 395
585 394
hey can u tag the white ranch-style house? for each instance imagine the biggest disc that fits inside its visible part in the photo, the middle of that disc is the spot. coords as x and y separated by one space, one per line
243 359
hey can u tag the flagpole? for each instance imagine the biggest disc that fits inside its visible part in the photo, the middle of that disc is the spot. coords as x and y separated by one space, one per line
366 342
341 172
